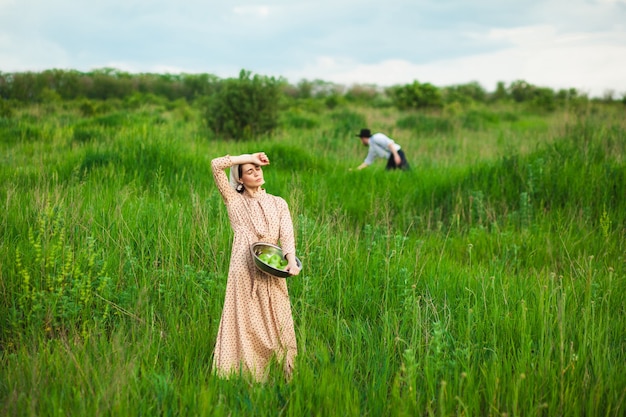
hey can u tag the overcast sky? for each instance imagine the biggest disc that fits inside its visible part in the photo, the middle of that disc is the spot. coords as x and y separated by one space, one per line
552 43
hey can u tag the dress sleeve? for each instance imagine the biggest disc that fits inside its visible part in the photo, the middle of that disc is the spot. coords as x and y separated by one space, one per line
218 165
286 235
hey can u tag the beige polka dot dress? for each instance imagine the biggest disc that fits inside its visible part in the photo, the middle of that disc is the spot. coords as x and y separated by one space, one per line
256 323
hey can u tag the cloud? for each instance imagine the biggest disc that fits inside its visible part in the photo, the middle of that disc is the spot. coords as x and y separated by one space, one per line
549 42
592 63
258 11
30 54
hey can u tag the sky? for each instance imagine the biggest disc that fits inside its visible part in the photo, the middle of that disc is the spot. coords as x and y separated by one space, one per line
549 43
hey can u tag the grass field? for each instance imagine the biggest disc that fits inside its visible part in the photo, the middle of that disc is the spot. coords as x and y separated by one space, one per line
487 281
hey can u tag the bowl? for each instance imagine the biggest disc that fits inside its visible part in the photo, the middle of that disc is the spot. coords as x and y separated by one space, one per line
262 249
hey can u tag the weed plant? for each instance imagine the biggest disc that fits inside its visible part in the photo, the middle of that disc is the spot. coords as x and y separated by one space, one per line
488 280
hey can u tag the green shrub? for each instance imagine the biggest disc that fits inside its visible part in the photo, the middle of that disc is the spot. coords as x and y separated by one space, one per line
87 108
362 93
416 96
334 100
539 99
465 93
244 107
144 99
49 95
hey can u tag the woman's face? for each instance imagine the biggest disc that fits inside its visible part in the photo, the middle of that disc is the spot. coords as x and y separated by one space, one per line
252 176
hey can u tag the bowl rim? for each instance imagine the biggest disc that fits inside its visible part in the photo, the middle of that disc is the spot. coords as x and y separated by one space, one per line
254 256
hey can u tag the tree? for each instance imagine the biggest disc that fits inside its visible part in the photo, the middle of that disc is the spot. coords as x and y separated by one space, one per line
538 98
244 107
465 93
500 94
416 96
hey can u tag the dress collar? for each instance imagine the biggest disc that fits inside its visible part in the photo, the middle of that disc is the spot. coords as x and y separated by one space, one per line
256 195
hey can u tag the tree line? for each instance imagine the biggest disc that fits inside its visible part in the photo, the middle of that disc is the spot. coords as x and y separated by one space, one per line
109 83
248 105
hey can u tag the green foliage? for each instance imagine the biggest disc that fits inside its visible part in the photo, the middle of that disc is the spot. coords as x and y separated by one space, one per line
139 90
88 108
537 98
86 133
138 100
295 158
423 124
243 108
521 91
299 120
484 118
416 96
464 93
334 100
308 105
6 108
363 94
304 89
94 159
49 96
501 93
346 123
15 130
63 284
102 84
111 120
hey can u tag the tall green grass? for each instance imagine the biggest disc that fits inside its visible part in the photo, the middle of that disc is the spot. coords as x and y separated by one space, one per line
488 280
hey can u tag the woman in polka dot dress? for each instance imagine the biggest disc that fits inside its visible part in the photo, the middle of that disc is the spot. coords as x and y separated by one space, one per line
256 323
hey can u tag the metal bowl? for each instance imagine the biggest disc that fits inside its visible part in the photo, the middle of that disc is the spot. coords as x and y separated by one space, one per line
263 247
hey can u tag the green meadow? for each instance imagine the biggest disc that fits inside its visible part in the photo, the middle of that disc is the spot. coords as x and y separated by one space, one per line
487 281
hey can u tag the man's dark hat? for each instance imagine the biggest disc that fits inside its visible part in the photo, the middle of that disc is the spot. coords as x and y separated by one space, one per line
365 133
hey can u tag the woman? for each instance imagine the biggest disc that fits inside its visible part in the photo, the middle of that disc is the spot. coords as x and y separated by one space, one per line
256 323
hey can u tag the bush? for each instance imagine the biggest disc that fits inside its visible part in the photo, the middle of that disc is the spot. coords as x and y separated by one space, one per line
465 93
540 99
138 100
244 107
333 101
416 96
87 108
362 93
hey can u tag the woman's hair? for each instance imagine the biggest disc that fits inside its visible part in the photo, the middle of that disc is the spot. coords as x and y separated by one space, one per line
239 187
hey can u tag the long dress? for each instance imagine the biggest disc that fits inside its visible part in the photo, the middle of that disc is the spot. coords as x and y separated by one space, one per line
256 323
